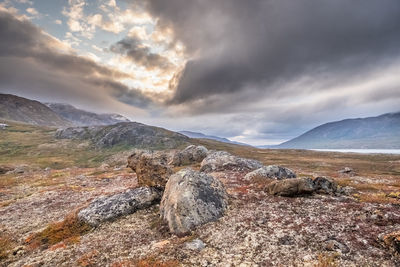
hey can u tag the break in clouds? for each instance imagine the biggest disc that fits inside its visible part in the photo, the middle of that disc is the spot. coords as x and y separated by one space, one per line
267 69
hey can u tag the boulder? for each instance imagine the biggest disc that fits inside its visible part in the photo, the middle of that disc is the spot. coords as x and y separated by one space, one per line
271 172
191 199
392 241
325 185
291 187
189 155
111 207
221 160
151 168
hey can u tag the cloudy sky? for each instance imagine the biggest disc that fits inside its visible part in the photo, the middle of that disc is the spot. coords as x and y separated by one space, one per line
257 71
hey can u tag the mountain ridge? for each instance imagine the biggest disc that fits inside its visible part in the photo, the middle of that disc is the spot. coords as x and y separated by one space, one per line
80 117
16 108
380 132
211 137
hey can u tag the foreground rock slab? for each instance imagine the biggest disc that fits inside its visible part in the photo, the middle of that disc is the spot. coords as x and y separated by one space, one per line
191 199
152 169
111 207
271 172
221 160
189 155
291 187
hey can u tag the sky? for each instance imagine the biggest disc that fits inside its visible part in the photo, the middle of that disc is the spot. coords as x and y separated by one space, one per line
255 71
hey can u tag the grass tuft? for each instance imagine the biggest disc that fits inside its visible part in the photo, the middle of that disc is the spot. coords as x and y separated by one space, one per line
68 231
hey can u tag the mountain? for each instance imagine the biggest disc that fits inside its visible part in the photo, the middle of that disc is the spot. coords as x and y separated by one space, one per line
20 109
131 134
220 139
382 132
81 117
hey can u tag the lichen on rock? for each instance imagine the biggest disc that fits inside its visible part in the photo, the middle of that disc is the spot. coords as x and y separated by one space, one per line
222 160
191 199
111 207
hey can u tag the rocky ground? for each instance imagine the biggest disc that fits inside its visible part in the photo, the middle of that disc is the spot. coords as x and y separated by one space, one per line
39 207
257 230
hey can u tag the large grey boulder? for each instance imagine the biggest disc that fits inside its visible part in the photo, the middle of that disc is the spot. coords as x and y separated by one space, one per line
189 155
221 160
271 172
291 187
152 169
111 207
191 199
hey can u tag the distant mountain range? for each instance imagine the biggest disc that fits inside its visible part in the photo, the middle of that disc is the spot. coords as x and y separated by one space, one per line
17 108
25 110
220 139
81 117
382 132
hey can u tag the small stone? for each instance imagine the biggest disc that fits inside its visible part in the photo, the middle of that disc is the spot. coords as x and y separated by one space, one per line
195 244
335 245
161 244
104 167
347 170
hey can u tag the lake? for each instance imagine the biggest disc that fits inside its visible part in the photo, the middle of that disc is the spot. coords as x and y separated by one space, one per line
362 151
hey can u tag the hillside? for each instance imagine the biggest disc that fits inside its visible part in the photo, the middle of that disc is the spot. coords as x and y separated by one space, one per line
81 117
20 109
382 132
130 134
211 137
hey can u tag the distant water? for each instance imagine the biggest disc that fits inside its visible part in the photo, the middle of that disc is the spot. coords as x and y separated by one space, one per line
362 151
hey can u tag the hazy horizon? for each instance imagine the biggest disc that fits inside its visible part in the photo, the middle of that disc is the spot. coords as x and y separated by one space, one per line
258 72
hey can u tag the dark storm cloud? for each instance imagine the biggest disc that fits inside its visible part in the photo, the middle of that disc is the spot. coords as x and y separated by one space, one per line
264 43
136 51
26 50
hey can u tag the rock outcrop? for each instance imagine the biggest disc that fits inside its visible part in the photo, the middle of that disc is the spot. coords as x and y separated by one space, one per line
221 160
111 207
291 187
191 199
325 185
271 172
189 155
151 169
